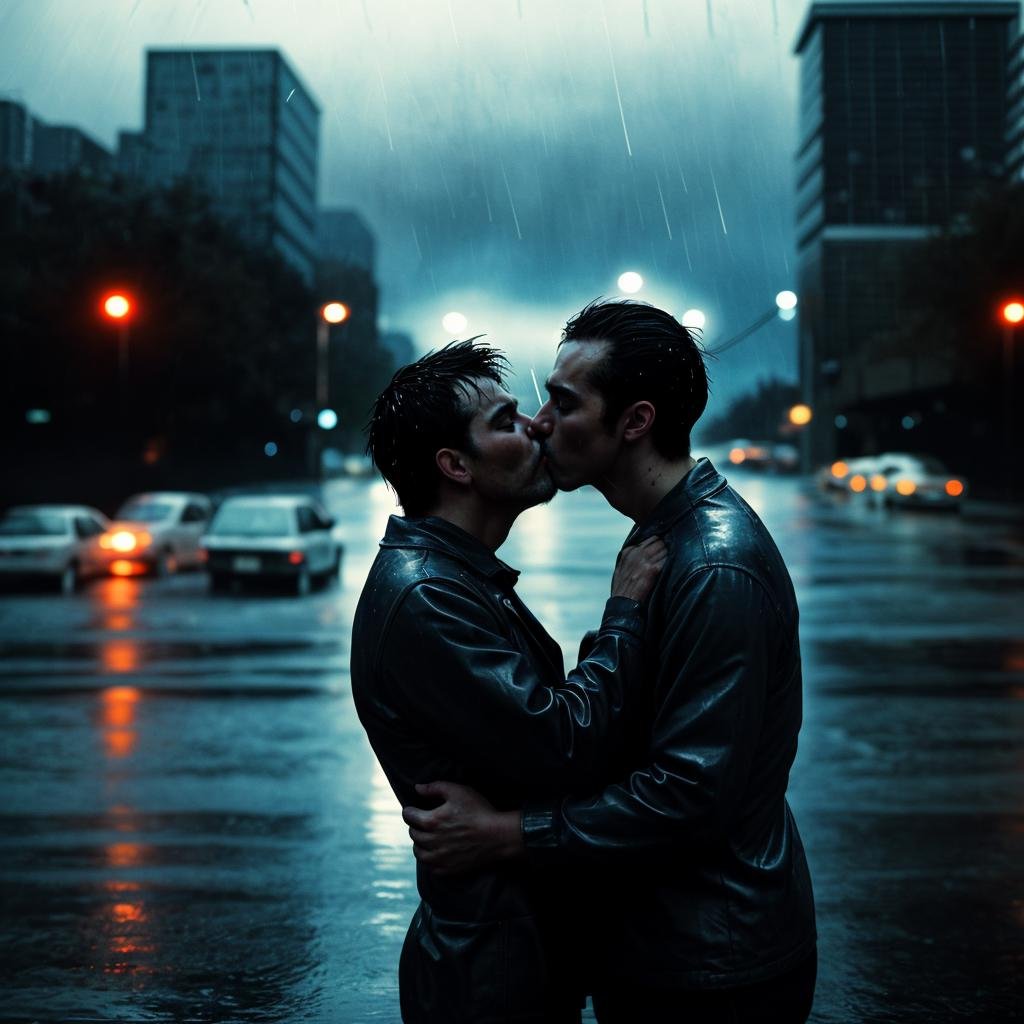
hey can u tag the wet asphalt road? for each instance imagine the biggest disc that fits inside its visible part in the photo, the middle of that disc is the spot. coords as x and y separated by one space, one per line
193 827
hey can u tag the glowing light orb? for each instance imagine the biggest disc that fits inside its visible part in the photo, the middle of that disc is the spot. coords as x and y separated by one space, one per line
454 323
630 282
334 312
800 415
694 318
1013 312
786 300
116 306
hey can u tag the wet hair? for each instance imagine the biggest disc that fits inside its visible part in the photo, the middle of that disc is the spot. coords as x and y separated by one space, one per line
651 357
426 407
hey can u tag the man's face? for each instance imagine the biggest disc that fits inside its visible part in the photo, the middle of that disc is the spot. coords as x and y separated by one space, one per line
508 465
579 447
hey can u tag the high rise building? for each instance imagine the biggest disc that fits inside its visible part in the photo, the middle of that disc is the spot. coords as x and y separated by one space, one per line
15 136
343 237
1015 114
241 125
62 148
903 119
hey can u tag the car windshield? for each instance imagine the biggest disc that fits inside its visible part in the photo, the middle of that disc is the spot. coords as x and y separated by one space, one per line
254 521
146 511
33 524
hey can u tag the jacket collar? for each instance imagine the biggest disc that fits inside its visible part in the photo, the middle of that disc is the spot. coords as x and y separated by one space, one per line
701 482
431 533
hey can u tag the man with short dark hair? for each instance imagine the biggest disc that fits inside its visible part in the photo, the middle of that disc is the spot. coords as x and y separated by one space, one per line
704 909
453 677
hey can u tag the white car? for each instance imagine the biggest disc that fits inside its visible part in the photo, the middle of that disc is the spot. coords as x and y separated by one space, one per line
847 475
287 538
157 532
56 542
918 480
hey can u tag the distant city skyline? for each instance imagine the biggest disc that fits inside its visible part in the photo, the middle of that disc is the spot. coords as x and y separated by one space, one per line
511 160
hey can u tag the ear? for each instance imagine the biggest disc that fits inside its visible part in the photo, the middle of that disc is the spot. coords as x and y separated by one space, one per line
452 466
637 420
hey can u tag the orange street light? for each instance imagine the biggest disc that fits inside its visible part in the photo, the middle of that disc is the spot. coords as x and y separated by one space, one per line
800 415
335 312
117 306
1013 312
331 314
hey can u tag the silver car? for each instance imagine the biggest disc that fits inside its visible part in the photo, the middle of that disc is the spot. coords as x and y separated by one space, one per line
158 532
285 538
59 543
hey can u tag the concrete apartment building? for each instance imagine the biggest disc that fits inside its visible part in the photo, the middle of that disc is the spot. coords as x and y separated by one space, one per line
30 145
243 127
905 114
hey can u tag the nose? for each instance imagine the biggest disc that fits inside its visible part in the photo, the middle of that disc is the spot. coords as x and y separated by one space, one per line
541 425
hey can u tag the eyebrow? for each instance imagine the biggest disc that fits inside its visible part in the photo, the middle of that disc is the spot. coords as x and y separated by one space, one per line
559 390
506 407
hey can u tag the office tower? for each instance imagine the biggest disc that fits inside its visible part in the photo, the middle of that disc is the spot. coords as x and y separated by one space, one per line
1015 113
240 125
903 120
344 237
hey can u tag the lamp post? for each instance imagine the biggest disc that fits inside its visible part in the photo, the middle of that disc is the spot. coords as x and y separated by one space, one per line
1012 314
119 307
330 313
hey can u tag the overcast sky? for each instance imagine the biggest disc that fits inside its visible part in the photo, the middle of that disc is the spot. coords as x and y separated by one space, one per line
512 156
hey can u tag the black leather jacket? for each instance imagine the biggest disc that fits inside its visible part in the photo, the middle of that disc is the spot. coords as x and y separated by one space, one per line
453 678
698 870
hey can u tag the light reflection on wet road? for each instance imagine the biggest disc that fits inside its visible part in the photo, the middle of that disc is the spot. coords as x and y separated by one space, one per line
193 827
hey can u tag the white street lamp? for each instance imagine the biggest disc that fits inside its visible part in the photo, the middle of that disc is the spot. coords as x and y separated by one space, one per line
454 323
630 282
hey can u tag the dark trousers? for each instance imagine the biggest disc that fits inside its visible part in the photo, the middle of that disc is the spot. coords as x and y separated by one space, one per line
783 1000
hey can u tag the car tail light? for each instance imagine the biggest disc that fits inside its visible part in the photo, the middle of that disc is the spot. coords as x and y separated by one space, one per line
124 567
879 482
840 469
858 483
905 487
124 541
954 488
737 455
296 557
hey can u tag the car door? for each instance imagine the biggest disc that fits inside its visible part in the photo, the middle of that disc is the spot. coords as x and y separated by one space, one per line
87 535
194 520
315 539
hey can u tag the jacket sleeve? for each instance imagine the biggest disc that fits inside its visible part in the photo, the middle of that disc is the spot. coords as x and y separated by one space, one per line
448 665
710 697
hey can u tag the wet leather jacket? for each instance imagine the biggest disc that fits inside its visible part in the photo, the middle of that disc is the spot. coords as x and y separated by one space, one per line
453 678
698 870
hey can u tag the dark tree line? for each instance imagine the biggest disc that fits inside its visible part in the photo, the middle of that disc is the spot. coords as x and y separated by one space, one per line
220 348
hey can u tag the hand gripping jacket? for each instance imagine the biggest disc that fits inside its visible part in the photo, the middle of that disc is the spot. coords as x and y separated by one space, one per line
701 876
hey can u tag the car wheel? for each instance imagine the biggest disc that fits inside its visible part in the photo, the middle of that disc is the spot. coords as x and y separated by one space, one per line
303 582
165 564
67 581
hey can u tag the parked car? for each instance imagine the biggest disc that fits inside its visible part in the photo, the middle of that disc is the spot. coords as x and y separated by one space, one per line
847 475
157 532
918 480
287 538
55 542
